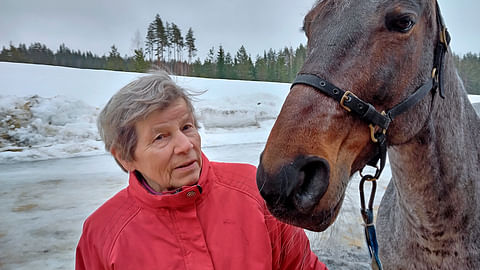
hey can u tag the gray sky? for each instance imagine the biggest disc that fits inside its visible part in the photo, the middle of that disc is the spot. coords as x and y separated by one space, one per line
94 25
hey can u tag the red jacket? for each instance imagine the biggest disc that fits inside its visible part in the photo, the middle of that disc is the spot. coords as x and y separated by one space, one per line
222 223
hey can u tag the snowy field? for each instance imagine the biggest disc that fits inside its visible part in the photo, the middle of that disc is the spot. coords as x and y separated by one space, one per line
54 171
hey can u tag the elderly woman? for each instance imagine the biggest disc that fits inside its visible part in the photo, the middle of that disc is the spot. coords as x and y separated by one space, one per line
180 210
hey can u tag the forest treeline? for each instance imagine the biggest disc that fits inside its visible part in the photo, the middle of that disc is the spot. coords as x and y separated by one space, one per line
468 67
277 66
165 47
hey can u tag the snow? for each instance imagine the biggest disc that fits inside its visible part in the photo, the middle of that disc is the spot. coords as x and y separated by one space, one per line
54 171
52 113
474 98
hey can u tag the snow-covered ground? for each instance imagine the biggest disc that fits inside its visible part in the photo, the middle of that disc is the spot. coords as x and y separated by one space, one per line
54 171
50 112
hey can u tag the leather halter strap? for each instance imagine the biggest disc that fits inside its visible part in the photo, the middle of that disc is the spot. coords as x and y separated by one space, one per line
367 111
364 110
348 100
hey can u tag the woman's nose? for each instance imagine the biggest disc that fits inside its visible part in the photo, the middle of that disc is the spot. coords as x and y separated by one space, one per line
182 143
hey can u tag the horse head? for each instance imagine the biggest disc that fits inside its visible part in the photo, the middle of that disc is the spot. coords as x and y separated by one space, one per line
381 52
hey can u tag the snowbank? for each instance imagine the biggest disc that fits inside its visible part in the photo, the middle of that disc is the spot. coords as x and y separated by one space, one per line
34 127
52 114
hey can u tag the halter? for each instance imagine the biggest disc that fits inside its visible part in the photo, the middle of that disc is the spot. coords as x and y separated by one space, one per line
379 122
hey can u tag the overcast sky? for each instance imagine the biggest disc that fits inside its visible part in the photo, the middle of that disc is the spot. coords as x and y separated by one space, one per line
95 25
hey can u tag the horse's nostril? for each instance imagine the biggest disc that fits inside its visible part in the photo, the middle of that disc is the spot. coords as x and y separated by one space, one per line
313 179
300 184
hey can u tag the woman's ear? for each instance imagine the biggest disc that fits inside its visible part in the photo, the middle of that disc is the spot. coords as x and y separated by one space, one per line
127 166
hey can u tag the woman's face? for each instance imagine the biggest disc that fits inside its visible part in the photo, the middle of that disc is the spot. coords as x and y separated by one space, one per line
168 150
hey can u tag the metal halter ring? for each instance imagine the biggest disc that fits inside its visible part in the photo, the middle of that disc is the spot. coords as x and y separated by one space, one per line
372 179
443 36
346 97
372 130
434 73
372 133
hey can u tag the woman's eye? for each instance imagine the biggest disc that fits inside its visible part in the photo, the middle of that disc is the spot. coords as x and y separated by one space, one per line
401 24
159 137
187 127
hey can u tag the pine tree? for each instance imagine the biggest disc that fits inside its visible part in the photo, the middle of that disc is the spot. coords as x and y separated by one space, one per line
243 65
140 65
299 58
114 60
290 68
177 42
197 68
229 69
271 66
161 38
469 70
190 43
220 63
39 54
62 54
15 54
150 41
261 70
282 66
169 40
209 64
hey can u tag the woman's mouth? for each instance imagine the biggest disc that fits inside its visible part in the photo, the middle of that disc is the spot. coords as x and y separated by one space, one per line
186 166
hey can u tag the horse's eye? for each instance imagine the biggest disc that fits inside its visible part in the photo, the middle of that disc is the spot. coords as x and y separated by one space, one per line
401 24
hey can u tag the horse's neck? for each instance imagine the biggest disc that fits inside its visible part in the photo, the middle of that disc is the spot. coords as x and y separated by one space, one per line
437 174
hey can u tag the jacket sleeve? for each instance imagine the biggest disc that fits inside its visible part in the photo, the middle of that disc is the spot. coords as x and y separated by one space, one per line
291 247
87 257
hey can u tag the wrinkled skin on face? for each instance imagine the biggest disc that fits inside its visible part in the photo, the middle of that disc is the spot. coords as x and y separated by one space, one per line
168 153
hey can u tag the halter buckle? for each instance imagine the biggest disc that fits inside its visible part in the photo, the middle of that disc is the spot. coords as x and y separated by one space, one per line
346 97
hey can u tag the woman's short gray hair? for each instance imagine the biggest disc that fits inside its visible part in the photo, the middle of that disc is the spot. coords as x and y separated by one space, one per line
134 102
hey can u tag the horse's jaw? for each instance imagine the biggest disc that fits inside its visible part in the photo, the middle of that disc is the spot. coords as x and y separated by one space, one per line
317 222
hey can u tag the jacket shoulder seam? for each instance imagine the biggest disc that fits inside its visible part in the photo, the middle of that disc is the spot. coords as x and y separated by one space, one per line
238 186
126 222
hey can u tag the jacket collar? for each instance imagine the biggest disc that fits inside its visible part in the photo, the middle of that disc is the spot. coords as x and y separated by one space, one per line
187 196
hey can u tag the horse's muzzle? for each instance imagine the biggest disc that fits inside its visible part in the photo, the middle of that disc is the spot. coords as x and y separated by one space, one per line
298 185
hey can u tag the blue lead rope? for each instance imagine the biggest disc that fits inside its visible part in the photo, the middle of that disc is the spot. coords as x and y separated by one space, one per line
371 238
367 215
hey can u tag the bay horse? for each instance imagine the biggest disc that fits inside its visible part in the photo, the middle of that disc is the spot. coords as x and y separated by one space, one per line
379 75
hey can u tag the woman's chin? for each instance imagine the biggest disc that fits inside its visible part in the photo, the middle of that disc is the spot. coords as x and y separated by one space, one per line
186 178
